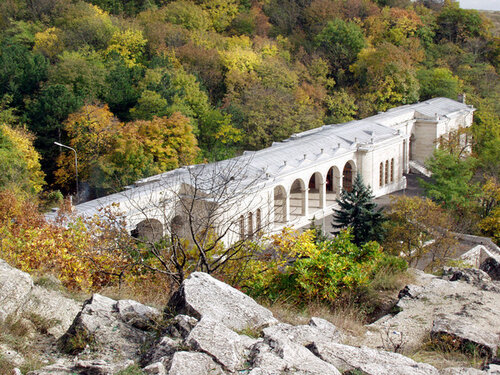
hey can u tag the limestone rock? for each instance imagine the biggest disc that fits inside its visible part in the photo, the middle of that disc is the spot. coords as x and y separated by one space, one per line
59 368
188 363
201 295
463 333
156 368
15 289
52 306
318 329
11 355
297 358
224 345
370 361
461 371
491 267
181 325
471 300
99 325
472 276
137 314
161 351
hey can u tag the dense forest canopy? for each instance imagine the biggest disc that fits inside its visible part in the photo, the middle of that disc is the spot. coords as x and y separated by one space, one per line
142 86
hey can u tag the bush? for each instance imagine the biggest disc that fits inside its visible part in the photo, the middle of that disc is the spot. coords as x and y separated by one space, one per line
305 271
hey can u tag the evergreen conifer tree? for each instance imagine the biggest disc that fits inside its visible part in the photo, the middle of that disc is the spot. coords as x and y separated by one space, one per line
359 212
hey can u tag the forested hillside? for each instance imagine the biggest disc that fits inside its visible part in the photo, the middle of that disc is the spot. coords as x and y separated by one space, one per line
143 86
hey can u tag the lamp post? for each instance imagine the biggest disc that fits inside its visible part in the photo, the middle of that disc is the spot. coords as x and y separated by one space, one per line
76 165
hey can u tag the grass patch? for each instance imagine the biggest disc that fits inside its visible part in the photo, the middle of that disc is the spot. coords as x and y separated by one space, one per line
442 355
131 370
348 318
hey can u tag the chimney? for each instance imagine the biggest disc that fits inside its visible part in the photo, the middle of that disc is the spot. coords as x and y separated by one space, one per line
462 97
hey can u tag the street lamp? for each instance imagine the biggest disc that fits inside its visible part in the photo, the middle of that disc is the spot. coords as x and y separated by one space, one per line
76 165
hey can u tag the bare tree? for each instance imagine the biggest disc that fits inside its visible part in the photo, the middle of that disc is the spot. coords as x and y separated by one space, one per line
200 218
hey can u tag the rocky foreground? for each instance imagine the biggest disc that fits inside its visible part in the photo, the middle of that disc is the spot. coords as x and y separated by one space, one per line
209 327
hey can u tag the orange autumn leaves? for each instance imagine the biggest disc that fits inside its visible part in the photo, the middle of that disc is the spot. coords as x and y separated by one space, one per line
113 154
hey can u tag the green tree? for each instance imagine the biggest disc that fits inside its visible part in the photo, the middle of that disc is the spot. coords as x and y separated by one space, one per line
457 25
451 183
341 42
359 212
438 82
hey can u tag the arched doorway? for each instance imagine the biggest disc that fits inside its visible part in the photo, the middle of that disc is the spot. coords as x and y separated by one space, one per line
332 185
150 230
315 196
279 205
297 199
348 176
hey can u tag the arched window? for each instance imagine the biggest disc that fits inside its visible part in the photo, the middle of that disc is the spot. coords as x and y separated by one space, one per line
381 176
347 177
258 219
386 179
250 225
242 227
392 170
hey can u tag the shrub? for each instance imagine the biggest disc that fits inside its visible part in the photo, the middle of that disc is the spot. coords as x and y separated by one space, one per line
305 271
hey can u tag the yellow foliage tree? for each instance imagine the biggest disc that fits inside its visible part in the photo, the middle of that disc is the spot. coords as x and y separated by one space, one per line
92 131
48 42
20 168
129 44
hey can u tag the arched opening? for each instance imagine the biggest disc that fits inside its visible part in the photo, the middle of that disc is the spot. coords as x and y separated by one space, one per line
412 151
250 225
258 220
386 179
347 176
150 230
279 205
392 170
242 227
405 156
332 185
297 199
315 196
381 175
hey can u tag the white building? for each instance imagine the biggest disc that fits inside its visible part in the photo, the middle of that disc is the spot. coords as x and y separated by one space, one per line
292 181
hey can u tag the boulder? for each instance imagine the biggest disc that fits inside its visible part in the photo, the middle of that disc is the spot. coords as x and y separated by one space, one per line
318 329
369 361
15 289
188 363
452 330
201 295
297 358
472 276
137 314
156 368
58 311
491 267
224 345
99 325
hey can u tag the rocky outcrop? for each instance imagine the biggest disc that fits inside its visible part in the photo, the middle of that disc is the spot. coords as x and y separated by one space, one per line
16 289
203 296
117 328
460 310
370 361
204 331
